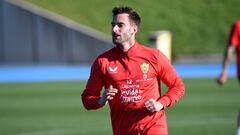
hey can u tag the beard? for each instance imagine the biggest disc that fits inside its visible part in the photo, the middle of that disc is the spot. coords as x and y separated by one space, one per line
120 39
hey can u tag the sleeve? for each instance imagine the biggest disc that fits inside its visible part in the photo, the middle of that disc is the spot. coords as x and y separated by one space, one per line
234 34
170 78
92 92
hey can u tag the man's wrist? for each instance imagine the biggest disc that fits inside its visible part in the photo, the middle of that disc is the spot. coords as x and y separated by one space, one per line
102 101
160 105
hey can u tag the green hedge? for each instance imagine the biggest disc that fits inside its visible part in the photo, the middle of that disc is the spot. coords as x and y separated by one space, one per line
197 26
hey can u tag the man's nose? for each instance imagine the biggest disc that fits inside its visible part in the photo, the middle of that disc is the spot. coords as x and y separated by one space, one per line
115 28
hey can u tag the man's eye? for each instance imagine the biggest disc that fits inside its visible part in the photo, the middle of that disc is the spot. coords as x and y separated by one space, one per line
119 25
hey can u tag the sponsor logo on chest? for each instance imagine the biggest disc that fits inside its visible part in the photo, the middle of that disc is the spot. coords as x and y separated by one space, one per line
112 69
130 92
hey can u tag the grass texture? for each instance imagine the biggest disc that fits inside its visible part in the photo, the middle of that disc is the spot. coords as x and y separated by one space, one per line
55 108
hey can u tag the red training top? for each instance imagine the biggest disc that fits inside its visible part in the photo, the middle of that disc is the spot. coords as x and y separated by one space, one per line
136 74
234 40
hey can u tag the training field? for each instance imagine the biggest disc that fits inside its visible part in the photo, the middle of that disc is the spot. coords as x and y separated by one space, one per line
54 108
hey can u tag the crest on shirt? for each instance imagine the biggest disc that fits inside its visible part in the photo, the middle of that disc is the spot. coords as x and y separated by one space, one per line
144 67
112 69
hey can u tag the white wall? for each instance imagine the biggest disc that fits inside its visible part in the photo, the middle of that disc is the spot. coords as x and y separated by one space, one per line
33 35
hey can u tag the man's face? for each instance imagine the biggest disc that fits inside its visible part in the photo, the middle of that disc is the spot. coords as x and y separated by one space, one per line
122 29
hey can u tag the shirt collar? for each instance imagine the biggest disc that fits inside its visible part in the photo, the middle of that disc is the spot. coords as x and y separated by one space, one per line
131 51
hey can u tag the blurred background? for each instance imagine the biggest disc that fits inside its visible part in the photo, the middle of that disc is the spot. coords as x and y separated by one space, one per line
47 47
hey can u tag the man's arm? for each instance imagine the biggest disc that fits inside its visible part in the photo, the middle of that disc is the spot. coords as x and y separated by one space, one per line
226 60
170 78
92 93
91 96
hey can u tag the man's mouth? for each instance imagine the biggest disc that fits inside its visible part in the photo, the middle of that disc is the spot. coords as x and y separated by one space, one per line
116 36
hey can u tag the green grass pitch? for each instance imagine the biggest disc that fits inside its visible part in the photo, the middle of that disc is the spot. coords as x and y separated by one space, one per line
55 108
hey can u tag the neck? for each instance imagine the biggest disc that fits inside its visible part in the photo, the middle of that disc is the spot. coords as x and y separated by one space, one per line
126 46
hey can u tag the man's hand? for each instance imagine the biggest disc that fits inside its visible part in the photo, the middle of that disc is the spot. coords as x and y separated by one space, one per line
108 94
222 78
153 106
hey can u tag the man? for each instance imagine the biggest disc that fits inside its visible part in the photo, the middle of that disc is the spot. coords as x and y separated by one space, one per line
234 44
131 75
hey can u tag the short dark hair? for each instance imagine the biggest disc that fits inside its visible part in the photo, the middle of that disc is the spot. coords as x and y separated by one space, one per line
133 15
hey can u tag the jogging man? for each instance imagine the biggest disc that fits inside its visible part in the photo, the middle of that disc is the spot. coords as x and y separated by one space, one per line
233 45
130 74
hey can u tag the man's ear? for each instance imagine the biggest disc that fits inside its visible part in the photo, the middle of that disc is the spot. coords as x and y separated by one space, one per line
135 29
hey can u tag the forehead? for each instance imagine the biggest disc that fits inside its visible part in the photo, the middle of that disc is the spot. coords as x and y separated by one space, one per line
121 18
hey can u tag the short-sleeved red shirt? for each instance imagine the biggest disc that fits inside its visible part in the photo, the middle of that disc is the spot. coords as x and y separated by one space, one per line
136 74
234 40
